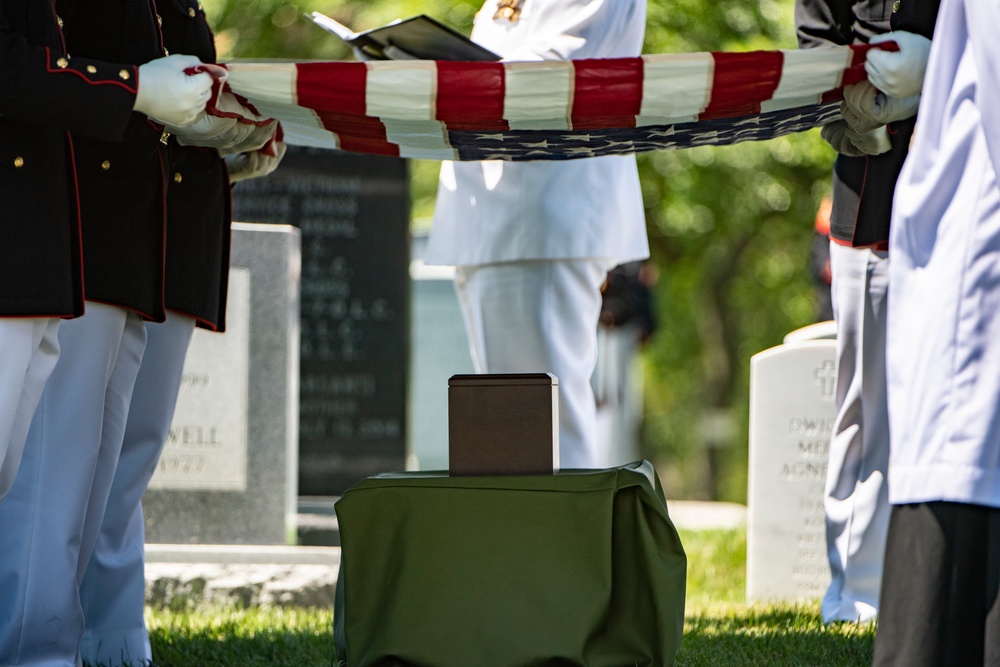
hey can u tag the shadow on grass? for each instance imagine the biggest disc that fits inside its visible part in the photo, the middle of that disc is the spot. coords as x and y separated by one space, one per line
293 650
783 635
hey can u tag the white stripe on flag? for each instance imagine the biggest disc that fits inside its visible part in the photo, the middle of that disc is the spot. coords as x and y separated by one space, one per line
675 88
538 95
271 88
806 74
402 90
428 153
426 140
264 82
298 134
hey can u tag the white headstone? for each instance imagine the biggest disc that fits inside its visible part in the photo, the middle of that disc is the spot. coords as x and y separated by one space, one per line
791 418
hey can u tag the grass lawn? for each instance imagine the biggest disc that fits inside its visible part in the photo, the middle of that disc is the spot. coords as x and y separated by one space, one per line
719 630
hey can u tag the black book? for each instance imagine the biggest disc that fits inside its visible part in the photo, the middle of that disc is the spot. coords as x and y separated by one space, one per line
417 38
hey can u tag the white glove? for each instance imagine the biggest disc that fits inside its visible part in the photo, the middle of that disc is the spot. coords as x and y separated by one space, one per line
855 144
254 164
898 73
250 138
226 132
865 107
210 131
167 95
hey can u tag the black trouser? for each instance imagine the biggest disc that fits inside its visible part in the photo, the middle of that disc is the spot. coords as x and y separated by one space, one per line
939 603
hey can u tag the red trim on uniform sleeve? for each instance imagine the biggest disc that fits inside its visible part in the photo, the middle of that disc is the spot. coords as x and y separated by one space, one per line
134 69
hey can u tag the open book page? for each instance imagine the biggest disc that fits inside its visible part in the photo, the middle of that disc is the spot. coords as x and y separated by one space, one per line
328 24
419 37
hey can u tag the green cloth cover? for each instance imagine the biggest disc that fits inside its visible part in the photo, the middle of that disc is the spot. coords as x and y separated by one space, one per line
580 568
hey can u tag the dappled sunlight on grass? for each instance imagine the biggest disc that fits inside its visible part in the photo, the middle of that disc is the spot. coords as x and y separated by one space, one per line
720 629
731 635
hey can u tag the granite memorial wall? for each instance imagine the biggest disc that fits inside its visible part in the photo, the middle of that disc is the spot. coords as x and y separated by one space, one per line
353 213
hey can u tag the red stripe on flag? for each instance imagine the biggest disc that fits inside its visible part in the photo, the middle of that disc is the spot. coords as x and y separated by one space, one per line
332 86
336 92
834 95
741 81
470 96
607 93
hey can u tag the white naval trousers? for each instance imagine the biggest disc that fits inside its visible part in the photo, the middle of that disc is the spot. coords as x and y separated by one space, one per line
29 348
857 502
617 385
52 514
541 317
113 592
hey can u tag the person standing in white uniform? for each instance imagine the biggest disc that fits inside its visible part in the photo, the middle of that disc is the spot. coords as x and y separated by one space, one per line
942 568
856 498
532 242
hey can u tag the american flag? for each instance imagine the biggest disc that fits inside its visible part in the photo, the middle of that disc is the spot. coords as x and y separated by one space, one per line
550 110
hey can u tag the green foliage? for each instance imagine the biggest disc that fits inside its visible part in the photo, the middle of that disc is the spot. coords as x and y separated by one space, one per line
729 227
729 231
276 28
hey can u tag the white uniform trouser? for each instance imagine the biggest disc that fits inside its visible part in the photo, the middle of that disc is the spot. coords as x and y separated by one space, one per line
113 592
29 348
51 516
541 317
616 383
857 502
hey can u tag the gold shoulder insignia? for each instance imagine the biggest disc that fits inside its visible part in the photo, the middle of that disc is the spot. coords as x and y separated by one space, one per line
509 10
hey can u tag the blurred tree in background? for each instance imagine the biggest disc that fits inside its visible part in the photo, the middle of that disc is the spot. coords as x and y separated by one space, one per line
729 227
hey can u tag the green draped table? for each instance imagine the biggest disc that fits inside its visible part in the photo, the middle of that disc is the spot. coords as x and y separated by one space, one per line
579 568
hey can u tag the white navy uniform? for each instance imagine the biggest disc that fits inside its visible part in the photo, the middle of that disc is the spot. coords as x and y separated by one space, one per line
533 241
943 360
944 290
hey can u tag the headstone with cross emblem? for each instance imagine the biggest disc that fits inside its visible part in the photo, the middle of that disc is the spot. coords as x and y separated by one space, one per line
792 410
